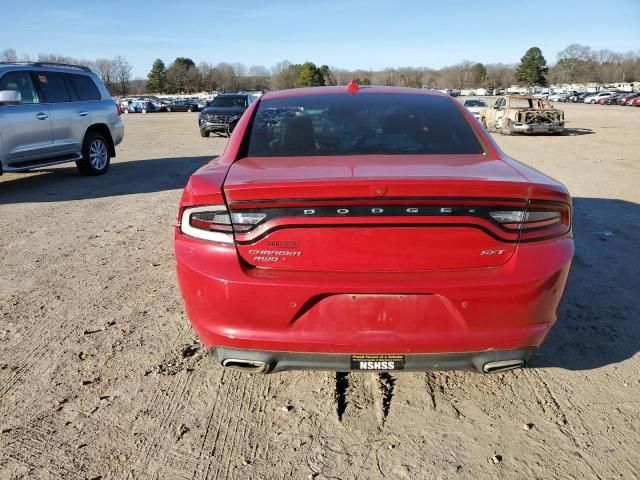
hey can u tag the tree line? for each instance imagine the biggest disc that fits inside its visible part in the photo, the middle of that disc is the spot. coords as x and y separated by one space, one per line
115 72
574 64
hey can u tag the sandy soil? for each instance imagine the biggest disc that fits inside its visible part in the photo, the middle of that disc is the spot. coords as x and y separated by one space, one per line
101 376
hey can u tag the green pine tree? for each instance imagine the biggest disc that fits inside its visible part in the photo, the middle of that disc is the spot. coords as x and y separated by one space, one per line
533 68
309 76
157 77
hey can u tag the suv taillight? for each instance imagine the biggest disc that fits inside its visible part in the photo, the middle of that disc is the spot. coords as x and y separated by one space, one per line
539 221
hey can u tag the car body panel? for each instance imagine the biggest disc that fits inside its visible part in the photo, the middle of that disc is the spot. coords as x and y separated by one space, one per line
388 288
24 136
471 310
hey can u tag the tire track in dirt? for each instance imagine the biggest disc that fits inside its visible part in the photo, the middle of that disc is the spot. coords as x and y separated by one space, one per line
169 397
546 397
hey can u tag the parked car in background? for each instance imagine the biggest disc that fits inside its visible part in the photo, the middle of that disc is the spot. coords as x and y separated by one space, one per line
522 114
303 245
566 97
142 106
475 106
182 106
578 97
612 100
53 113
124 103
634 102
223 113
593 98
624 99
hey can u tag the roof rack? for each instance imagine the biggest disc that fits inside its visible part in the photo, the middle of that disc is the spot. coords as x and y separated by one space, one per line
50 64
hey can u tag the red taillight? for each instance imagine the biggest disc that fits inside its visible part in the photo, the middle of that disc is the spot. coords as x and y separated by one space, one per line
539 221
211 223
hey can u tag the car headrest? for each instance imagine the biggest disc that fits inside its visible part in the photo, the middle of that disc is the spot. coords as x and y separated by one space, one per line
298 136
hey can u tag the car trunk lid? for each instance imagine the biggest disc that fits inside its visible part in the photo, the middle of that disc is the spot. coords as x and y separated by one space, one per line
373 212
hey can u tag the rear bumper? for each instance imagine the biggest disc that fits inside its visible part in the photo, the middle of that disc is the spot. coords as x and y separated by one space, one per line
117 132
509 307
271 362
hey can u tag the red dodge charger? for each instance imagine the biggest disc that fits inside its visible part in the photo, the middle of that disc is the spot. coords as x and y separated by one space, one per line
370 228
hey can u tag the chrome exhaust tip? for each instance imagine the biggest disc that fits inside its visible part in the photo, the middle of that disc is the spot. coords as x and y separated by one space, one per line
502 365
255 366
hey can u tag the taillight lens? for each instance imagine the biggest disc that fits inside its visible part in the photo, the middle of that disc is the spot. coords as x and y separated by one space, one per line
540 221
211 223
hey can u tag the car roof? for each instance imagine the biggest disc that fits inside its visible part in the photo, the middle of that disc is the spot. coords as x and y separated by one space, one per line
44 67
342 89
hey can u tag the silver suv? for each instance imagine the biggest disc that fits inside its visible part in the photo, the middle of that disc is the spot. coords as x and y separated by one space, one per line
56 113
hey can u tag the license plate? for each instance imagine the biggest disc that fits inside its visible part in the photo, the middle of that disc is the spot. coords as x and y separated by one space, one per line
375 361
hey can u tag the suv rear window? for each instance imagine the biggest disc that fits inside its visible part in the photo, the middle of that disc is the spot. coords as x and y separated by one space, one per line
83 86
53 87
365 123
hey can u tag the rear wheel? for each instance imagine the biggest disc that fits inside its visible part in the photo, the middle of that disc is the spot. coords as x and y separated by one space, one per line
203 133
95 155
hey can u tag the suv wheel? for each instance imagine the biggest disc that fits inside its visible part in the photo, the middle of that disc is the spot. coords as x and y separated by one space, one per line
95 155
204 133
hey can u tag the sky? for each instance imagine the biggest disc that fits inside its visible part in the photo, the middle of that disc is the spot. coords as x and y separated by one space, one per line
346 34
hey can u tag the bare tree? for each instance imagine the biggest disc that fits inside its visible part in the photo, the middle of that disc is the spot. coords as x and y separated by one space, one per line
122 70
208 76
9 55
106 69
284 75
258 77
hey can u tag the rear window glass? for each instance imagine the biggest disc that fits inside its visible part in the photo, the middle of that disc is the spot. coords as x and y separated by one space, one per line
52 87
365 123
474 103
84 87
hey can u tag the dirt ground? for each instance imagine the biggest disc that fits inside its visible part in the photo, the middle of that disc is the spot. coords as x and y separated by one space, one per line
101 376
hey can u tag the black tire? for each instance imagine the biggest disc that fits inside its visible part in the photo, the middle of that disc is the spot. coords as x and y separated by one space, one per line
204 134
96 155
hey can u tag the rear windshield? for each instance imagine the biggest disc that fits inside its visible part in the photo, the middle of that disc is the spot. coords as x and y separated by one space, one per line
229 102
366 123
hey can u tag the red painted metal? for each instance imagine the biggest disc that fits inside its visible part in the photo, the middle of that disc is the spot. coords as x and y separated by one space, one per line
421 287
